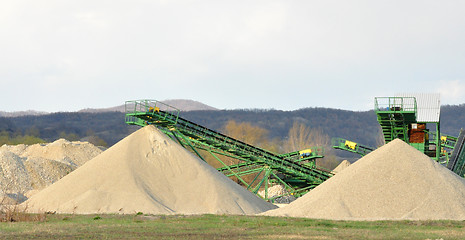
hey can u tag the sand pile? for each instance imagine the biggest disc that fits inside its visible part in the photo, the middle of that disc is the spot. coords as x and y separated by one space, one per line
31 167
393 182
71 153
343 165
150 173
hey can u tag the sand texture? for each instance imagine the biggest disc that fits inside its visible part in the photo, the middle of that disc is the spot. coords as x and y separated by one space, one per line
343 165
393 182
150 173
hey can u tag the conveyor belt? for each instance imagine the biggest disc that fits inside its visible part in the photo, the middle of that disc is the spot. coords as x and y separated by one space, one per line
144 112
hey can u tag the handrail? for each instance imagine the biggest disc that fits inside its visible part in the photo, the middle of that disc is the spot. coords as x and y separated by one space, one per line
405 104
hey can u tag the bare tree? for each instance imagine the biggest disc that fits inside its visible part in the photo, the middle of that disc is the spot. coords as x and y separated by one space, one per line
246 132
301 137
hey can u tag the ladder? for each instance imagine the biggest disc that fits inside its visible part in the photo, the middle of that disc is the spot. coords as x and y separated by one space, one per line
394 114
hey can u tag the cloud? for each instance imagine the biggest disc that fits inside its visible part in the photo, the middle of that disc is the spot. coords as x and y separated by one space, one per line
246 54
452 91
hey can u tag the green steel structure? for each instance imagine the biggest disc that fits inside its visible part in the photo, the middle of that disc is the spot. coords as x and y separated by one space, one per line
457 159
448 144
343 144
296 171
395 116
399 118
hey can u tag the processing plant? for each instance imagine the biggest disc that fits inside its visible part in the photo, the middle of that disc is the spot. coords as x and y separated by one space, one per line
415 119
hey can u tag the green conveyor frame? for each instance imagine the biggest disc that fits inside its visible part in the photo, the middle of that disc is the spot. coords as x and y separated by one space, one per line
295 170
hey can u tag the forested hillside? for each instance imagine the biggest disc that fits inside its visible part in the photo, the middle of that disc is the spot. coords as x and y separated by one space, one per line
452 119
109 127
358 126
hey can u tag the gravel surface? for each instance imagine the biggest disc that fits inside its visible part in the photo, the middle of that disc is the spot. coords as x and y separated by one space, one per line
33 167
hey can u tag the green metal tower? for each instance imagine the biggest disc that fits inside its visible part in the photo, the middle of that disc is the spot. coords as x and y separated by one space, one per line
296 171
409 117
402 117
395 114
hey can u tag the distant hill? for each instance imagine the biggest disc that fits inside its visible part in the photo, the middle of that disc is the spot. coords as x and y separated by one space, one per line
21 113
188 105
360 127
181 104
119 108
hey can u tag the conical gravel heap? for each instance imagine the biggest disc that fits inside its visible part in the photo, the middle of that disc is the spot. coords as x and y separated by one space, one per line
343 165
393 182
146 172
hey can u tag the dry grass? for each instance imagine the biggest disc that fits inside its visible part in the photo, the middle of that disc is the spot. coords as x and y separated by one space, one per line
10 211
140 226
15 213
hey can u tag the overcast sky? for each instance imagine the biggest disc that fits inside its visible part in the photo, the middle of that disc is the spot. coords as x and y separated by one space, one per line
69 55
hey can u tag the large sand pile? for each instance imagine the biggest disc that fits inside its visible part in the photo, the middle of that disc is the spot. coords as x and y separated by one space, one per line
343 165
146 172
32 167
394 182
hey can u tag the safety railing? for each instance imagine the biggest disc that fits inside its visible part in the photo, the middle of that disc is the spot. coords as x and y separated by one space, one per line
134 107
396 104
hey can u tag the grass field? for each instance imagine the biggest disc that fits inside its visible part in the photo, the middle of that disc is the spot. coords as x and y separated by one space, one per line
58 226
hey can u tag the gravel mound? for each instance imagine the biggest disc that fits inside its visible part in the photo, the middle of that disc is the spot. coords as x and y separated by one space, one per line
150 173
394 182
343 165
33 167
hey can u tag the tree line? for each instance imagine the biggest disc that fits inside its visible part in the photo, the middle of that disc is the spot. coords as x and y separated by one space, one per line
109 127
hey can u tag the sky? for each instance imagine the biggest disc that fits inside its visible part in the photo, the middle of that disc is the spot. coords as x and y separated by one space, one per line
290 54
